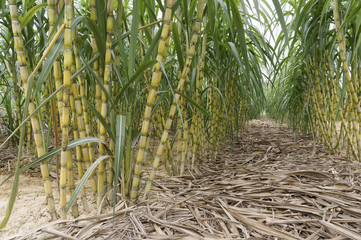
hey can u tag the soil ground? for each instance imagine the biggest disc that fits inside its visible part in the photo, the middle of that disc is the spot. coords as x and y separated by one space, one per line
268 184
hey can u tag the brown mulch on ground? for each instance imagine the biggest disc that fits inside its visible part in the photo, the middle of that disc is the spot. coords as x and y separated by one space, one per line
268 185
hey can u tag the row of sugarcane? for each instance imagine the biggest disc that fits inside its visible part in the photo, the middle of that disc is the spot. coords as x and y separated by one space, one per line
109 84
319 91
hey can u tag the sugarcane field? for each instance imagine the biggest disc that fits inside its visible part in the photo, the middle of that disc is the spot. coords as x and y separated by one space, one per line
180 119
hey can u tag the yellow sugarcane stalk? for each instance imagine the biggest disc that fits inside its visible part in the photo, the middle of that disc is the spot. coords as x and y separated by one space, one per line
58 76
349 83
181 82
334 96
66 158
24 74
82 115
78 129
107 70
156 77
96 67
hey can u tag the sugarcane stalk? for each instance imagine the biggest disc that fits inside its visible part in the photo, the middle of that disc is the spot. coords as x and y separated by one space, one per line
107 74
24 75
156 77
181 82
66 158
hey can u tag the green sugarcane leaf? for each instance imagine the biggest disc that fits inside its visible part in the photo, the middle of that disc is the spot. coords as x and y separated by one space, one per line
281 18
194 103
100 118
33 113
241 33
84 179
30 14
99 82
98 37
178 45
72 144
133 37
152 49
48 64
119 149
135 77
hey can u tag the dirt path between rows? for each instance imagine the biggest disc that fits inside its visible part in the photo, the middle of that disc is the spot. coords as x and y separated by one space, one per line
266 185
